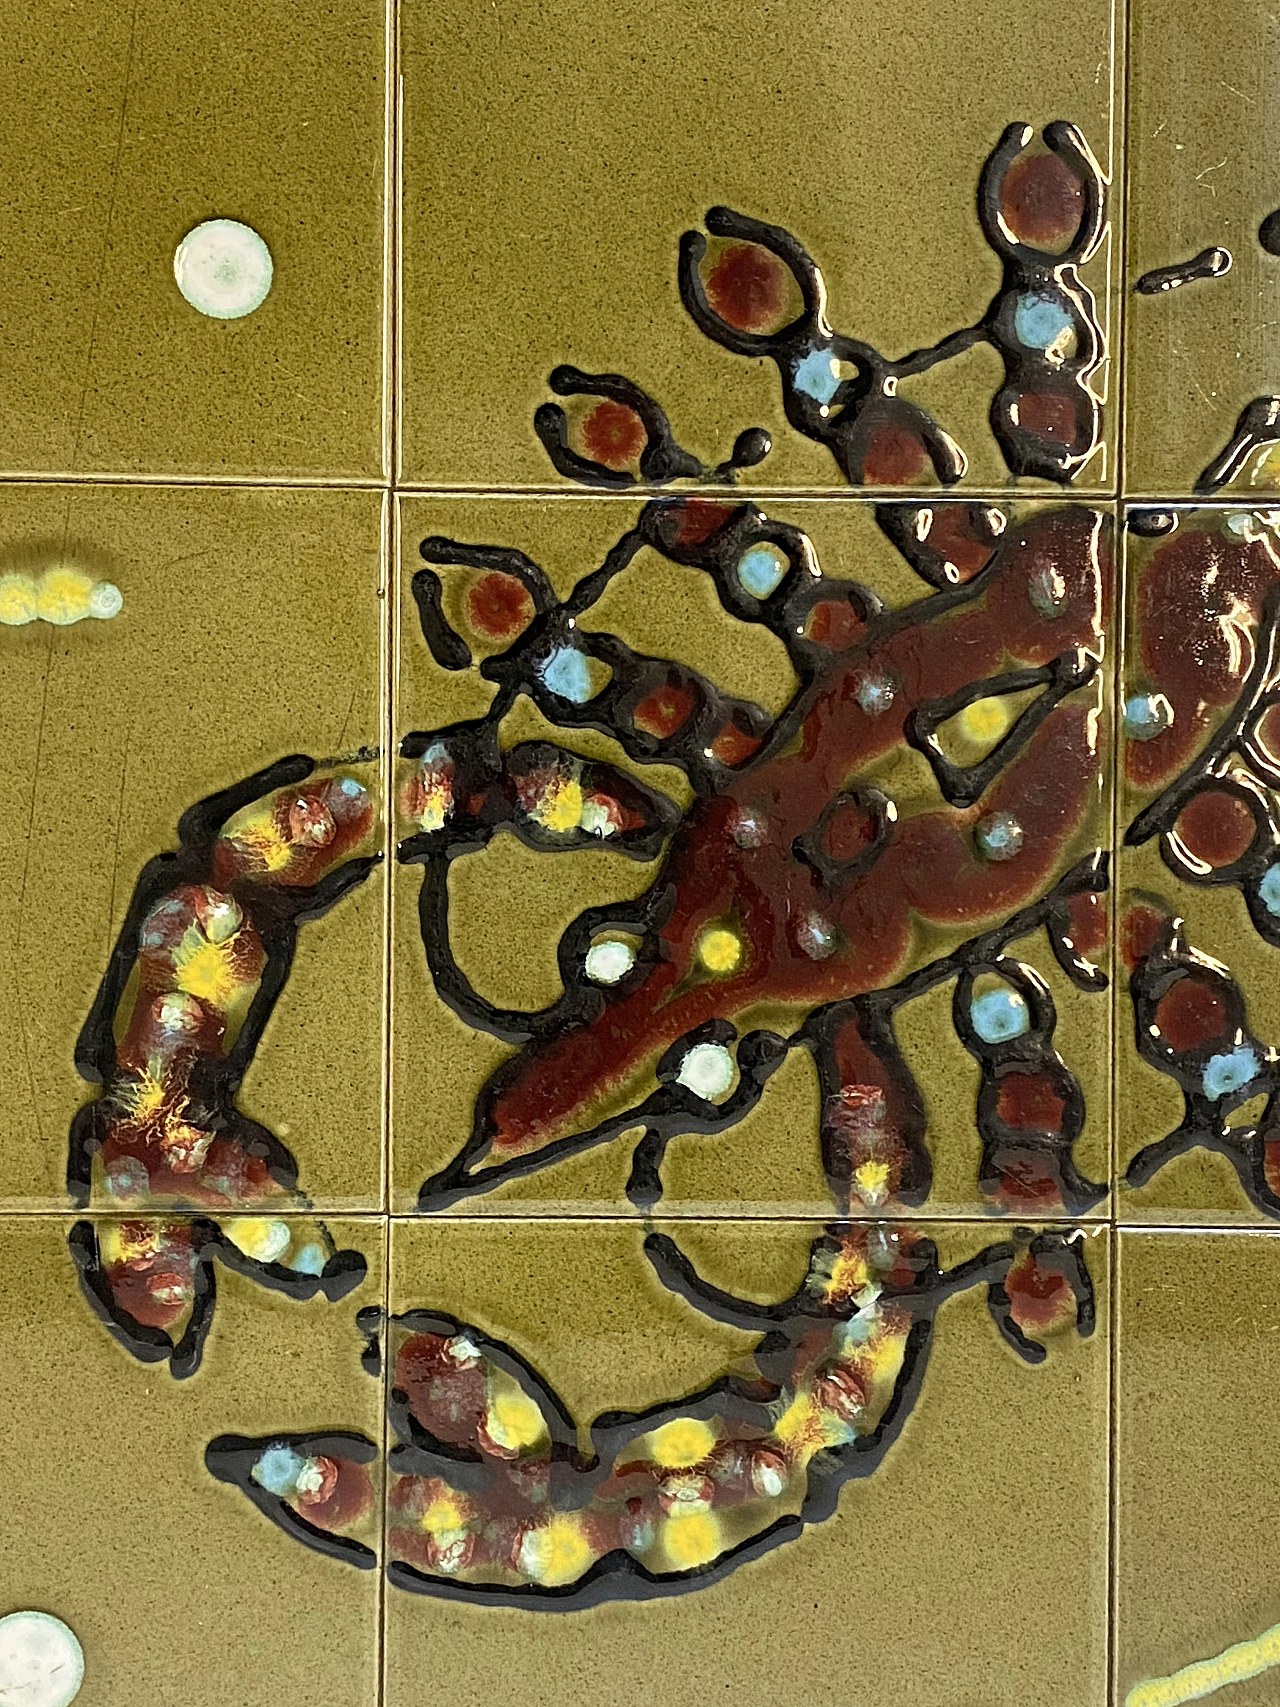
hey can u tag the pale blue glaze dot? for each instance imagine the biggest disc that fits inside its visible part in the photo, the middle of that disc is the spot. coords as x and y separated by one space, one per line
1224 1074
567 674
875 695
999 1015
278 1470
351 787
1269 889
817 374
309 1260
127 1177
1039 321
999 836
1146 715
760 570
857 1330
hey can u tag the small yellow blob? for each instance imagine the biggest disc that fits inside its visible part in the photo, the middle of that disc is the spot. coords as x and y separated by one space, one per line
17 600
444 1516
64 596
513 1420
206 970
872 1180
985 720
127 1241
143 1098
798 1428
560 807
719 949
261 835
260 1240
681 1443
556 1553
849 1271
691 1538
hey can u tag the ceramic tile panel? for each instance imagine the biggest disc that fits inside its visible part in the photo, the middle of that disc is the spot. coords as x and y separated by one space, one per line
828 793
1201 355
766 218
1199 916
746 1488
181 1587
124 128
1196 1604
192 912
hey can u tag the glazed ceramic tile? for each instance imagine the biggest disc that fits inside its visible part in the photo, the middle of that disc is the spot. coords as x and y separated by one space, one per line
853 231
828 858
1196 1507
1201 354
181 1590
194 918
1200 913
124 128
735 1424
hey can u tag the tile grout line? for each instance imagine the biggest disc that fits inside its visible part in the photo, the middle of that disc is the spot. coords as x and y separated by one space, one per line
389 635
1121 12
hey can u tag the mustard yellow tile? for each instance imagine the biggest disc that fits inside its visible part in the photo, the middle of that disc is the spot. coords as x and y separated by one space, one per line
1197 1015
1195 1501
248 630
552 163
177 1589
1199 350
992 1457
459 1013
124 127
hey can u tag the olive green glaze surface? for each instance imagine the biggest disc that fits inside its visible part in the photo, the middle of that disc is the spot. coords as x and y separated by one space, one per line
1202 93
928 1583
113 1523
258 488
250 629
564 159
1196 1504
511 904
123 126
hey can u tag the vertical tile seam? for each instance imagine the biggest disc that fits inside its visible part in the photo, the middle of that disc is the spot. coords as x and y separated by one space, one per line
389 633
1122 13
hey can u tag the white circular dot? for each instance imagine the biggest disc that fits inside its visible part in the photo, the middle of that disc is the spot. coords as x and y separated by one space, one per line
106 600
41 1663
223 268
607 962
707 1070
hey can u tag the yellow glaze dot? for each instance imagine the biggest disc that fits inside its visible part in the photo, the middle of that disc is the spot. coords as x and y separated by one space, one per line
557 1553
719 949
64 595
871 1179
443 1516
17 600
560 807
986 719
514 1421
691 1538
206 970
681 1443
259 1239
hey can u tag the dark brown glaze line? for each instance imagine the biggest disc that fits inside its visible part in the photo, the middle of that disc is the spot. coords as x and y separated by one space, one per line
1208 264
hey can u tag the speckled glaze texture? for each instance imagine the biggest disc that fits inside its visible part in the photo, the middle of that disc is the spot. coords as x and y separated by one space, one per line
640 854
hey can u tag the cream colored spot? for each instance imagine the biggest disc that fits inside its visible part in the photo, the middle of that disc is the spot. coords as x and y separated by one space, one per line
223 268
41 1662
